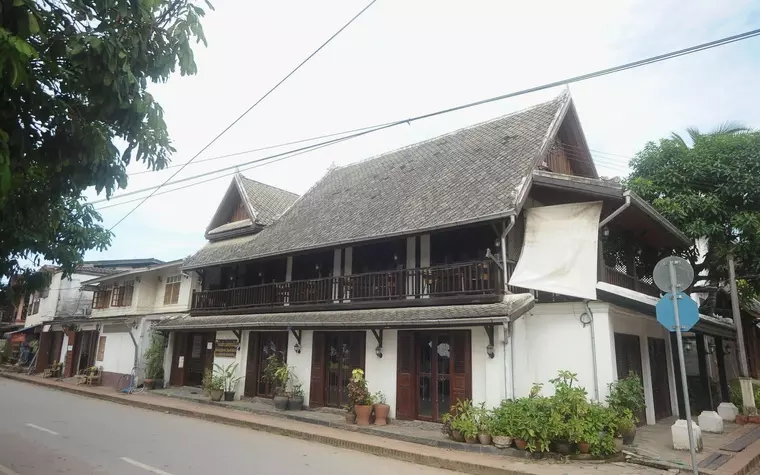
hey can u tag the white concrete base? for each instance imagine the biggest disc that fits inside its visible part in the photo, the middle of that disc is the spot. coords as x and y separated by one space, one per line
748 396
681 439
728 411
710 421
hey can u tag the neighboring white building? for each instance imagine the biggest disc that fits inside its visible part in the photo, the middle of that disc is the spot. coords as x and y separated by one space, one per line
125 306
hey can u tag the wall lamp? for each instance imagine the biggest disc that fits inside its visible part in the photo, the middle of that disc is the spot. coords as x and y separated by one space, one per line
489 351
379 351
297 348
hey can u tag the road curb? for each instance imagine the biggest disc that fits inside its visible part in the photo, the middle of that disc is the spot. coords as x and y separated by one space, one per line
406 456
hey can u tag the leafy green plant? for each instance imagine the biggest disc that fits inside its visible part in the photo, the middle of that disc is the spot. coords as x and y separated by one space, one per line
599 429
212 381
228 376
627 393
154 357
532 422
503 423
379 398
569 407
297 390
358 394
484 419
735 394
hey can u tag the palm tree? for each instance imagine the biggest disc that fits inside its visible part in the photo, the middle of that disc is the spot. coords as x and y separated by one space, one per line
726 128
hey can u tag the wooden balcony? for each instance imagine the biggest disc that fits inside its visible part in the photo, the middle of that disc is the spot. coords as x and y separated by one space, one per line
615 277
465 279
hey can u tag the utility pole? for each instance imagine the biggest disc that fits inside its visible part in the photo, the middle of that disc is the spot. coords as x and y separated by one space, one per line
737 318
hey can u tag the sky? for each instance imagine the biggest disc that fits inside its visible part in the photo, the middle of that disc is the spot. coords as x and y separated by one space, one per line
401 59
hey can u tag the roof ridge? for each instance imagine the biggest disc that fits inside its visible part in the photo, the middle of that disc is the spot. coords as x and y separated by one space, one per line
267 185
562 97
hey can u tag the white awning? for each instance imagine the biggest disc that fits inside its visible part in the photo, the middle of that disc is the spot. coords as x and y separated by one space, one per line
560 248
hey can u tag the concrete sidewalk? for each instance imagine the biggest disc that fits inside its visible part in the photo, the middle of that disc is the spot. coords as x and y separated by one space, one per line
467 462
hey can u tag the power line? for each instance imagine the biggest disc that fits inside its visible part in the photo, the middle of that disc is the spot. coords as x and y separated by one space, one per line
370 129
240 117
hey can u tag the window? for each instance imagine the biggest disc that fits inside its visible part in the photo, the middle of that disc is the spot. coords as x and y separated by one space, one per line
34 307
122 294
171 291
102 298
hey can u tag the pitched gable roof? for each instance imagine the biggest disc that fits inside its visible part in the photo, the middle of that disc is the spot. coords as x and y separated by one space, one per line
473 174
263 204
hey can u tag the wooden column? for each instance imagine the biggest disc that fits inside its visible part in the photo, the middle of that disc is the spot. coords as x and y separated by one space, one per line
722 376
705 395
43 351
677 370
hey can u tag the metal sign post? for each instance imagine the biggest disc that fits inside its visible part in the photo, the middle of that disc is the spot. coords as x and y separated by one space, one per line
679 276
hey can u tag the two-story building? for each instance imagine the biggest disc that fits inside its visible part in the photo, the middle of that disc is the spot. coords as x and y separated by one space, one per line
125 307
471 265
51 314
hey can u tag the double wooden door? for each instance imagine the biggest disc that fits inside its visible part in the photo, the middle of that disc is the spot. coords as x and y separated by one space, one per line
193 355
434 371
261 346
334 356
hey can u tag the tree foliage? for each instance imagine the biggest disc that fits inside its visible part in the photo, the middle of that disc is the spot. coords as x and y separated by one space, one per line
708 190
73 93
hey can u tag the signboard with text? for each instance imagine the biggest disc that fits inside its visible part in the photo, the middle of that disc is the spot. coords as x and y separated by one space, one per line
226 348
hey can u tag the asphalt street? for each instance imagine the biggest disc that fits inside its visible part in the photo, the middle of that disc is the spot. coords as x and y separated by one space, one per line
45 432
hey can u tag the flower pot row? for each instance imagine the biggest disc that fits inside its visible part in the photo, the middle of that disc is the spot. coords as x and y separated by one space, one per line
218 394
362 414
283 402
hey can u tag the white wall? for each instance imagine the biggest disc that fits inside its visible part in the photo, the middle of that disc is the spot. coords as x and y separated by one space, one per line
64 348
301 363
551 338
239 358
64 298
634 323
381 372
119 353
488 374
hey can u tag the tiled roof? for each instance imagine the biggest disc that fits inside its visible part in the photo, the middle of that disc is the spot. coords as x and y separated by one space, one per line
85 269
469 175
513 305
267 201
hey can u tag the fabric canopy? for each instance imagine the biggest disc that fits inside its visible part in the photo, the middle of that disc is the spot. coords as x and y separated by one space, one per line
559 253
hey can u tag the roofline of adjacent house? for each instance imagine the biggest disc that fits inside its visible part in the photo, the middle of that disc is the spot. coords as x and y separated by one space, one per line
141 270
364 239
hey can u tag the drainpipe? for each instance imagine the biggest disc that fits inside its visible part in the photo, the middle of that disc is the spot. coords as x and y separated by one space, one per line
508 326
590 322
134 342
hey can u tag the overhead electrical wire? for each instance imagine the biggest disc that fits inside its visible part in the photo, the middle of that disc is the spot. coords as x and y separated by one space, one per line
371 129
240 117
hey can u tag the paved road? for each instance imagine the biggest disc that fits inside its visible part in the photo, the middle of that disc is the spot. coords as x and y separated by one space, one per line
45 432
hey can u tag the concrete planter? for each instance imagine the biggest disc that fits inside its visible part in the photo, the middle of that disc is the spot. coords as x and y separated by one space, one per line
502 441
295 403
281 403
216 394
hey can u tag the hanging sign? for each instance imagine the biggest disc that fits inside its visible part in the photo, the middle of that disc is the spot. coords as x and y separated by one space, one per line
226 348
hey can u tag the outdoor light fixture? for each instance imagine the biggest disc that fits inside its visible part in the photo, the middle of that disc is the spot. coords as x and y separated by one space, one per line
710 348
489 350
297 348
379 351
605 231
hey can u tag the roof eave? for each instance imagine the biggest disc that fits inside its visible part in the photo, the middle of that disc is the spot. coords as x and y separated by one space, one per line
652 213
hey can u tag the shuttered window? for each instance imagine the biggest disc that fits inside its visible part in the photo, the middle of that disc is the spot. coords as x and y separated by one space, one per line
121 295
102 298
171 290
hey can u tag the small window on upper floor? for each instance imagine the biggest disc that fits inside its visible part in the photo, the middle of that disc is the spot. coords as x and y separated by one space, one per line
101 298
171 290
34 308
121 296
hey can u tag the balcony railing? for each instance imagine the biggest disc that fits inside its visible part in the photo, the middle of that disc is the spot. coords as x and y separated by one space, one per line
615 277
469 278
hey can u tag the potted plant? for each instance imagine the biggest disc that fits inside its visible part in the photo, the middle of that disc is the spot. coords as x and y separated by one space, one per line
533 423
295 403
381 409
569 407
213 385
278 374
502 426
464 422
485 421
626 427
229 379
359 397
154 361
627 394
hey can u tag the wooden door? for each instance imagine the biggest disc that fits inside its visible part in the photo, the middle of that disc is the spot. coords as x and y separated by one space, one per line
57 347
317 383
177 376
442 372
627 354
334 356
406 408
75 341
660 385
262 346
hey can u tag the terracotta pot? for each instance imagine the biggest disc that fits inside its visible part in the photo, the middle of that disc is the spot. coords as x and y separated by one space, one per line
521 444
381 414
485 439
148 383
216 394
362 414
502 441
457 436
471 440
753 419
350 417
584 447
741 419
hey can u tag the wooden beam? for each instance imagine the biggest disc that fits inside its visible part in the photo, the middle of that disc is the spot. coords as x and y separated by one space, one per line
296 334
237 334
490 333
378 336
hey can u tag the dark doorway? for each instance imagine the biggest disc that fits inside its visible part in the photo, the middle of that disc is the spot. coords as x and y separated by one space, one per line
628 358
433 373
261 346
334 356
660 385
193 354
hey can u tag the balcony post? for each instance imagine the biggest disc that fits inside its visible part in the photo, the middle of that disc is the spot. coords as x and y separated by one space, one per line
411 260
424 263
348 262
336 275
288 277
